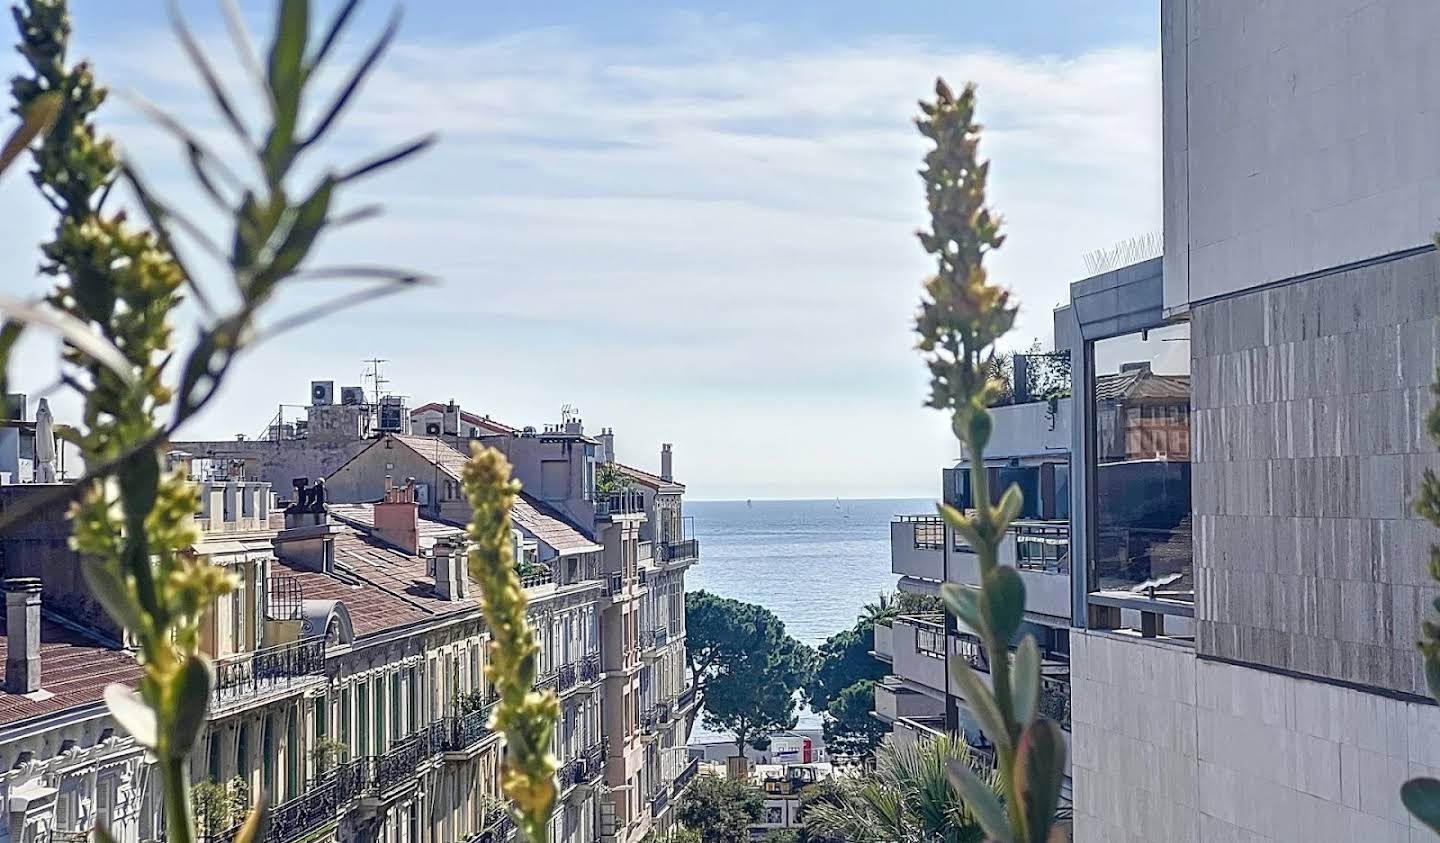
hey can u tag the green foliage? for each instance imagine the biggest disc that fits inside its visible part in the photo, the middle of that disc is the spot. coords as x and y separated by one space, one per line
1422 795
908 799
850 727
117 289
780 835
676 835
745 668
328 753
609 478
219 806
720 810
961 317
843 660
526 718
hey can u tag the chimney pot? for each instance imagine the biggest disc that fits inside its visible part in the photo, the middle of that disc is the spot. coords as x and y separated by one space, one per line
451 582
22 633
667 472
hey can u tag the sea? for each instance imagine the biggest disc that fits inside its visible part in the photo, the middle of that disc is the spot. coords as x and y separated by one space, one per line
814 563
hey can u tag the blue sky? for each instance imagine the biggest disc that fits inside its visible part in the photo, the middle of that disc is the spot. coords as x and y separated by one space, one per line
694 222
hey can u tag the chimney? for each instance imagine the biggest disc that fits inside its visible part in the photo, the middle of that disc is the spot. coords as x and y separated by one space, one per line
397 518
22 633
451 580
574 427
450 426
308 539
667 470
607 442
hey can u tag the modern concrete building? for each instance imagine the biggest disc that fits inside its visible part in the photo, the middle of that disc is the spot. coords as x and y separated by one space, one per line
1030 448
1298 292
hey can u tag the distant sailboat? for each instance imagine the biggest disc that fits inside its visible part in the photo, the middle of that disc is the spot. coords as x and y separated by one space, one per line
837 503
748 504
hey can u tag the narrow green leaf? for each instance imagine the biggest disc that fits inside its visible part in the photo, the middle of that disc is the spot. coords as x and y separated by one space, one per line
308 220
387 159
133 715
1002 603
981 701
287 55
103 835
208 75
980 799
963 602
38 120
332 35
113 593
192 702
1025 681
1038 776
73 331
1422 799
966 526
361 71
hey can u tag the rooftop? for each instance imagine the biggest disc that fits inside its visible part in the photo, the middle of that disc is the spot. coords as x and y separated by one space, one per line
645 478
74 670
468 418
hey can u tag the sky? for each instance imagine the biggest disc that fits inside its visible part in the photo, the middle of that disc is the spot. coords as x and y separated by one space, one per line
693 222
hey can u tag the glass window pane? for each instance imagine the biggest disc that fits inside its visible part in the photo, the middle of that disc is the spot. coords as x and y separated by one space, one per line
1141 493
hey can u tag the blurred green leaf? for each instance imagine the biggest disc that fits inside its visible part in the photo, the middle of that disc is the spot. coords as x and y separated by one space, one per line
1002 603
38 120
980 799
114 594
73 331
981 701
386 159
1025 681
192 702
1038 776
1422 799
353 85
963 524
1010 505
287 80
102 834
133 715
255 825
332 35
1432 676
963 602
207 74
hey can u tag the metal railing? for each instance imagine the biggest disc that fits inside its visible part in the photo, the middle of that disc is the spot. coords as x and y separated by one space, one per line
590 668
547 681
457 734
686 697
659 801
614 584
972 651
1042 547
239 676
649 719
566 677
685 776
535 579
676 551
585 767
654 637
626 502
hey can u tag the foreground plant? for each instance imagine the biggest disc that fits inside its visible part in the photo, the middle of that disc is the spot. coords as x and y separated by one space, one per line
525 716
908 798
1422 795
117 290
961 317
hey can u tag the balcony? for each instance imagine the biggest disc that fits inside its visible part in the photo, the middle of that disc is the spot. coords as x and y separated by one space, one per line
548 681
894 701
583 769
675 553
537 576
653 639
650 721
262 674
686 697
917 546
884 642
589 668
686 775
621 504
919 651
909 730
659 801
460 735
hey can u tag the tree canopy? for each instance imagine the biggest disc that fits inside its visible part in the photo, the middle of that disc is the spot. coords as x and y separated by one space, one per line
719 809
745 668
850 727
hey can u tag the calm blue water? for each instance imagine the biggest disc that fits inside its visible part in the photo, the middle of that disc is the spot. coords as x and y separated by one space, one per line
812 563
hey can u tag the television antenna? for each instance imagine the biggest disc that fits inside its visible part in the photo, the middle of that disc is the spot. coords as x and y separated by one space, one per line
375 377
569 413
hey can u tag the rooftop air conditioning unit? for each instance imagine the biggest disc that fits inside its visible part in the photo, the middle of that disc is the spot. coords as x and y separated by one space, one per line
432 428
322 393
352 395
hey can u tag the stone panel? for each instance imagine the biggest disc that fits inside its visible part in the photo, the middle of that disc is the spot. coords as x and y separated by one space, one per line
1307 451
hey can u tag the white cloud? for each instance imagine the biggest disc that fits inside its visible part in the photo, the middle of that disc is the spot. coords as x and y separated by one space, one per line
710 242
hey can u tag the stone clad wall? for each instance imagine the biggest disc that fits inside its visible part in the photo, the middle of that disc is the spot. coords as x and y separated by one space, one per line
1309 404
1171 747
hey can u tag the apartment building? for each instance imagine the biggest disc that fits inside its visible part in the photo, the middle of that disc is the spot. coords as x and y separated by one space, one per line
1030 448
1271 689
636 595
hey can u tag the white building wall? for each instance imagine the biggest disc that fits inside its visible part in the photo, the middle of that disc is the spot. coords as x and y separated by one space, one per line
1299 135
1169 747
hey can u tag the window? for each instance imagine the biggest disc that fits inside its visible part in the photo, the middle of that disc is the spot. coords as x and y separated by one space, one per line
267 754
292 753
362 717
413 721
395 721
345 717
1140 476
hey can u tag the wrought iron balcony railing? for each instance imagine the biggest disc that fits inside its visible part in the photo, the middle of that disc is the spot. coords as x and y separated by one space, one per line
547 681
685 776
590 668
241 676
566 677
659 801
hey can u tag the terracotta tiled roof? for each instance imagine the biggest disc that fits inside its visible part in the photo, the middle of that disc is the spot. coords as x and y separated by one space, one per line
468 418
73 667
394 571
645 478
550 526
363 515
